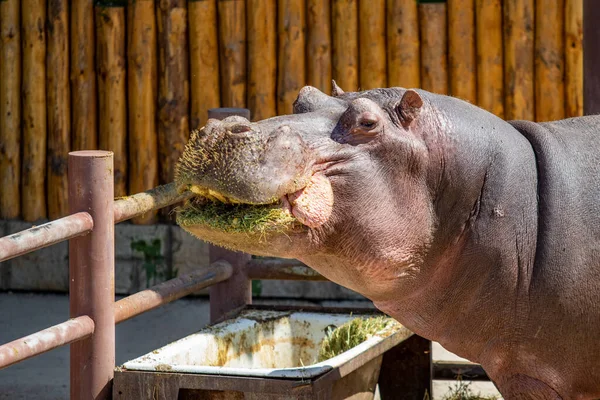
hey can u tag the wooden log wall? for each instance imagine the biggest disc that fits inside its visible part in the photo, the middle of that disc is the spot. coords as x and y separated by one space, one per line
134 76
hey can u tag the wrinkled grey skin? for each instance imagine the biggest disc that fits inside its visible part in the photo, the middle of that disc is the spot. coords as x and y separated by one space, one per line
478 233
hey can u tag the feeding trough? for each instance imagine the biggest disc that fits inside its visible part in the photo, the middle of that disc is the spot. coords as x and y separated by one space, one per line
261 353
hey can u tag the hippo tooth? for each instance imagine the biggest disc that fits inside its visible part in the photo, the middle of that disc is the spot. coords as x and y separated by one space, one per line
218 196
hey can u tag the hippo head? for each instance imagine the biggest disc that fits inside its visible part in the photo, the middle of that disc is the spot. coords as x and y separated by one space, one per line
341 185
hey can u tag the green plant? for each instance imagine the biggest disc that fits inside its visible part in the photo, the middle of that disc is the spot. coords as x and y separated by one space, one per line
154 262
462 391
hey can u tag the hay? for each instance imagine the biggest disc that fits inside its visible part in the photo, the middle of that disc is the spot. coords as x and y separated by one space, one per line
353 333
236 218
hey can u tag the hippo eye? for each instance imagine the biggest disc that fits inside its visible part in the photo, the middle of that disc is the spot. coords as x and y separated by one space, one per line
368 124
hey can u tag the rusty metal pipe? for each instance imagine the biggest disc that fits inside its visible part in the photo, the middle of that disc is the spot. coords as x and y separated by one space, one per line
45 235
45 340
290 270
171 290
91 273
153 199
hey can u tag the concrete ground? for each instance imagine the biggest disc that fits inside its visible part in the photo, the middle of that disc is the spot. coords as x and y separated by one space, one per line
46 377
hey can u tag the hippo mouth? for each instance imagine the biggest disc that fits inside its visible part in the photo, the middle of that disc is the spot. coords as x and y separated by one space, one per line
310 207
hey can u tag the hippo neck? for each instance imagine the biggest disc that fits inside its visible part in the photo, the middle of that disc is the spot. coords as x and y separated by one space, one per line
484 245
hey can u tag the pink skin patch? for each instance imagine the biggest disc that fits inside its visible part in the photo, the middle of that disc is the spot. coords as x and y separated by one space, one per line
312 205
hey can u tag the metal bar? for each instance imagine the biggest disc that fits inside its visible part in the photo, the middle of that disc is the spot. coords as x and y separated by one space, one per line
291 270
153 199
45 340
591 57
45 235
91 270
235 292
171 290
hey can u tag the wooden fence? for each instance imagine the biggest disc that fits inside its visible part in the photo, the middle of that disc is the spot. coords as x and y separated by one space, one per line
135 76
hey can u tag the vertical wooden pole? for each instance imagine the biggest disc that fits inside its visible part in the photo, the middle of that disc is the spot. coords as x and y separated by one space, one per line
462 66
344 14
83 76
318 44
573 58
591 57
236 292
403 44
33 200
204 60
372 46
141 99
261 17
92 274
173 85
434 41
59 108
549 60
291 72
112 87
490 59
10 109
519 101
232 51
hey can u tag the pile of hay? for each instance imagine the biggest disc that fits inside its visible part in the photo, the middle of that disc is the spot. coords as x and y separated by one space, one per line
353 333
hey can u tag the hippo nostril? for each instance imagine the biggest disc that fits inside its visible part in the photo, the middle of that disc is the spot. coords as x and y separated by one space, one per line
240 128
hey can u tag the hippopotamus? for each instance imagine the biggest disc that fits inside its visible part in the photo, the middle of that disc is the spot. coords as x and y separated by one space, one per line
478 233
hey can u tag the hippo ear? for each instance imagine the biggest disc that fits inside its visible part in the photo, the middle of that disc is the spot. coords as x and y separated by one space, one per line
336 91
409 107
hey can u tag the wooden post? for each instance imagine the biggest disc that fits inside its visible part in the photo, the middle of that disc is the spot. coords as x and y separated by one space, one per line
10 109
112 89
33 199
204 60
591 57
434 57
173 86
262 58
462 66
519 102
291 72
318 44
141 98
403 45
236 292
59 108
573 58
83 76
549 60
407 370
344 14
372 46
232 46
490 59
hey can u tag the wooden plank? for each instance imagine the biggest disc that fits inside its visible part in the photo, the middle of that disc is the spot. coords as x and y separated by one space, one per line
490 56
112 90
434 57
372 46
173 86
573 58
462 65
232 45
141 76
291 71
318 47
403 44
33 30
59 108
262 58
204 60
84 124
519 59
344 14
591 57
549 60
10 109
